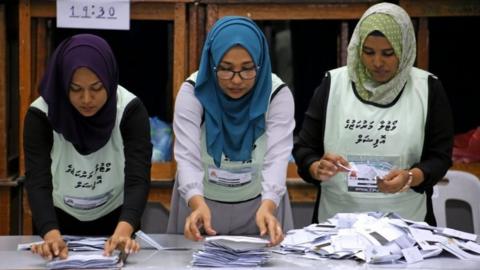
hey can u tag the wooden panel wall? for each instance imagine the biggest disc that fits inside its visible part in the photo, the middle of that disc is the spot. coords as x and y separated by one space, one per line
3 95
5 214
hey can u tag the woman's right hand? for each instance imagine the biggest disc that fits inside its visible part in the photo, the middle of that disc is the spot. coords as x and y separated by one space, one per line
52 246
200 217
327 167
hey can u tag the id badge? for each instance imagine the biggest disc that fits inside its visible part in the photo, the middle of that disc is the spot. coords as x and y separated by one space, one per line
87 203
230 178
366 174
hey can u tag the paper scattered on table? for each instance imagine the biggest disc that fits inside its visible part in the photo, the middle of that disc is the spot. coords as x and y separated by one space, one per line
232 251
378 238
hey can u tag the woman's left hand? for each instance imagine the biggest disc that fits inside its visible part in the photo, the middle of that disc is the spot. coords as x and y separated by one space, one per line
121 239
268 223
396 180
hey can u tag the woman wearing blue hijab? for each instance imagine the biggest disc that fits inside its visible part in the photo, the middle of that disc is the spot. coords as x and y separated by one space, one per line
87 150
233 125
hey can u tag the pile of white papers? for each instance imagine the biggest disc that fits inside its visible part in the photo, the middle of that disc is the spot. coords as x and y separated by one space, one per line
81 243
86 261
232 251
378 238
74 243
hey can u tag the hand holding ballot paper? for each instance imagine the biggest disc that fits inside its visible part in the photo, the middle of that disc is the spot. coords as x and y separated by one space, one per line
363 176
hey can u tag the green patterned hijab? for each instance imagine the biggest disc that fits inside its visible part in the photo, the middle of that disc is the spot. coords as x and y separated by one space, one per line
395 24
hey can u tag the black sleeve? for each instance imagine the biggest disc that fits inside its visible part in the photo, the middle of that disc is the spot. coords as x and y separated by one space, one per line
438 143
135 129
308 145
37 145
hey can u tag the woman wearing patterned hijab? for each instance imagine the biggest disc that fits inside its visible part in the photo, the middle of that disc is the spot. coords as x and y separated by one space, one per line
87 150
378 133
233 125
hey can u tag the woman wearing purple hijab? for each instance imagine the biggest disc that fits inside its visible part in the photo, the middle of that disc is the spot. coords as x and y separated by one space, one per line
87 150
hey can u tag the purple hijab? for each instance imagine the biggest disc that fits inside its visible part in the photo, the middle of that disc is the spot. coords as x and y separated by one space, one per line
87 134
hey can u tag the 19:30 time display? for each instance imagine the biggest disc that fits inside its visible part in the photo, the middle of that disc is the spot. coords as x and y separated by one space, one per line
98 12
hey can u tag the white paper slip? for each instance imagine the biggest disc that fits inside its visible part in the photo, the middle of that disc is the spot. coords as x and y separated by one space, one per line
387 231
298 237
432 252
380 254
470 246
155 244
320 228
238 242
399 223
412 254
452 247
96 14
27 246
459 234
422 237
148 239
404 242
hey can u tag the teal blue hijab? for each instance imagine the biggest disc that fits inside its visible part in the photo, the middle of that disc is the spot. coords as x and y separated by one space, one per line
233 125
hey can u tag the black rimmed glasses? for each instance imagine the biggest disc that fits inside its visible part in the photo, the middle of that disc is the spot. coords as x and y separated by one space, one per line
245 74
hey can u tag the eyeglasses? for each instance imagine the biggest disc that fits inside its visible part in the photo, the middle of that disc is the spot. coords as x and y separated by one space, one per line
245 74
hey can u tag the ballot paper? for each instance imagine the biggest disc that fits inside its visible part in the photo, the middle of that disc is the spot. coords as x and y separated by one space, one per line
151 242
74 243
471 246
86 261
459 234
378 238
363 175
79 243
238 242
232 251
454 248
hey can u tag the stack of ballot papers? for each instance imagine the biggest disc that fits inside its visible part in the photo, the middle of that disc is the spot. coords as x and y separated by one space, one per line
74 243
86 261
85 253
232 251
378 238
80 243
